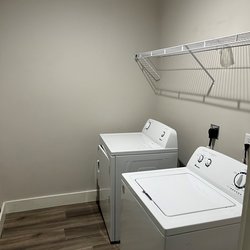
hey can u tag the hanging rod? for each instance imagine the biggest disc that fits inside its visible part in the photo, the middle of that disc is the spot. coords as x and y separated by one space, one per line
237 40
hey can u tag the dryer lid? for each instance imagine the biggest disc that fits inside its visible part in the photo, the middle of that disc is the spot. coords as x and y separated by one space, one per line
132 143
179 194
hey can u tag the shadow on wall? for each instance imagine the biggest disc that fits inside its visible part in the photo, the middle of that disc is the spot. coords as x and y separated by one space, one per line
218 77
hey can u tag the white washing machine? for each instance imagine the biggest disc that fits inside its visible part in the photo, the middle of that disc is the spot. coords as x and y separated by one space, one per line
153 148
197 207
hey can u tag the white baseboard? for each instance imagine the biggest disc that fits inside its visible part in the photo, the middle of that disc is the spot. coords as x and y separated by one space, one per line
45 202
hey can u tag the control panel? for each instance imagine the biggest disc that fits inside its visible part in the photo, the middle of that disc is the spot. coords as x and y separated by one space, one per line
222 171
161 134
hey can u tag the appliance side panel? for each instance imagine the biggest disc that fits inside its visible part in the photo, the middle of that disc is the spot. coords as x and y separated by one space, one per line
106 192
137 229
219 238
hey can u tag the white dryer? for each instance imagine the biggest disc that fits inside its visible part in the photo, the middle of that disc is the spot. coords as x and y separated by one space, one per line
191 208
153 148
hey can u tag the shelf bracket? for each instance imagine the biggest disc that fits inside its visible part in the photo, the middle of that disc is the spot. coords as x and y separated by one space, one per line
147 66
202 66
148 76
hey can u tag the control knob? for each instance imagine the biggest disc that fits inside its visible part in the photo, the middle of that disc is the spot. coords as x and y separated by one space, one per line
208 162
148 125
240 180
200 158
163 133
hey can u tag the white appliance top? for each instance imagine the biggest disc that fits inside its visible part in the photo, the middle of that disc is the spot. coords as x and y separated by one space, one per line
155 137
185 199
130 143
203 198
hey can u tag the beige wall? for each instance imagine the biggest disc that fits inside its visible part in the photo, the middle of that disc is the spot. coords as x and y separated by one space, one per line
191 21
67 73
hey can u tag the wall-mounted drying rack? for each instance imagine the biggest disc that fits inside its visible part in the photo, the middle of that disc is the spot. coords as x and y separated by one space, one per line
216 68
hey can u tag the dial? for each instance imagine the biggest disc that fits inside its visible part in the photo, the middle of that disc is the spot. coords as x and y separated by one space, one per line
163 133
208 162
240 180
200 158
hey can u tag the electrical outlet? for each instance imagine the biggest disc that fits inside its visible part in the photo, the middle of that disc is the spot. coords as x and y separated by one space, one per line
247 139
217 128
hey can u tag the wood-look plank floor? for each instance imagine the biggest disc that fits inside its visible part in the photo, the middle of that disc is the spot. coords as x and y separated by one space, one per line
74 227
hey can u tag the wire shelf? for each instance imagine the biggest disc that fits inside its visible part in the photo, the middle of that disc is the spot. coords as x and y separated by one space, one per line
195 71
212 44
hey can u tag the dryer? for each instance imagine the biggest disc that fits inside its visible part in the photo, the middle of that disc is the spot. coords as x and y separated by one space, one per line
191 208
155 147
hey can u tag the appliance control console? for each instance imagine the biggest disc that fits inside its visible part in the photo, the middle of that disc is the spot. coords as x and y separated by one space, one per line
222 171
161 134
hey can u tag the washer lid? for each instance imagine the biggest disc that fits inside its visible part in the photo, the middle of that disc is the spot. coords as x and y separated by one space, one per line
180 194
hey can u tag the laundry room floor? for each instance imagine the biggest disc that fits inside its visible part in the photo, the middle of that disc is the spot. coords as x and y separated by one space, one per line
73 227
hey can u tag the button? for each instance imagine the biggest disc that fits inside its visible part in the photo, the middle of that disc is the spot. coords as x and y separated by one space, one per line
208 162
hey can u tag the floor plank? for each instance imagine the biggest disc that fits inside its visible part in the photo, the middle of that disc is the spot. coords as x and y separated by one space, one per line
72 227
32 240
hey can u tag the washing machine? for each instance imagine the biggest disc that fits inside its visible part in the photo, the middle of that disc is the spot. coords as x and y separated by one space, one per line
191 208
155 147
